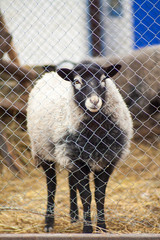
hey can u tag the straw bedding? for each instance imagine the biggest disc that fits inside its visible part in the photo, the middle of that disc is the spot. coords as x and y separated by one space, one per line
132 197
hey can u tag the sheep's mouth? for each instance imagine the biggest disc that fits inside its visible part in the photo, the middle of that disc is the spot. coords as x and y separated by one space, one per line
94 109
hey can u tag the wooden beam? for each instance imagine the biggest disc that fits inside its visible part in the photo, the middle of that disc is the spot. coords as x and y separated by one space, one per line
95 24
7 152
22 74
18 106
6 42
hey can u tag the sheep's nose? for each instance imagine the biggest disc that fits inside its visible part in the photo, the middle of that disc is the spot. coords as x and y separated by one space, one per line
94 100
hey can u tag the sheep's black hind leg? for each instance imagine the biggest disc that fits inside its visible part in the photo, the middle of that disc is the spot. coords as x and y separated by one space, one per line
73 197
82 176
101 180
49 169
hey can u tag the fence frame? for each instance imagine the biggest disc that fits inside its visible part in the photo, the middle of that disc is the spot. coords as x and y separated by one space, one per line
75 236
22 75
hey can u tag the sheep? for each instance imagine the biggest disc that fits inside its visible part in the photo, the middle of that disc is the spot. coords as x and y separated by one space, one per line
139 84
78 119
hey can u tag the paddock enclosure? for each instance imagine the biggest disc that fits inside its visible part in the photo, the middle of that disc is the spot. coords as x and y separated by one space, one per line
41 36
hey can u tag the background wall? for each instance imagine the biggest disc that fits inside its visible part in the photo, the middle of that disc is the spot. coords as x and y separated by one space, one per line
47 31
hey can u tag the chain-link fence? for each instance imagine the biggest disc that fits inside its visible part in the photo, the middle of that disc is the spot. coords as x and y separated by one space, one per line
42 36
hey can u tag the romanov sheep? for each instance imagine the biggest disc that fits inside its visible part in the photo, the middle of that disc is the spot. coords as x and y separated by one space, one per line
78 119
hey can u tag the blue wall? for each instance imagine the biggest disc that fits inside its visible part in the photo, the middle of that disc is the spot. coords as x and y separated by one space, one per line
146 21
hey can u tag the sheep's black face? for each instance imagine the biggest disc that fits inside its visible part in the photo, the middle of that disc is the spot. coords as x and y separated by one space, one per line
89 83
89 88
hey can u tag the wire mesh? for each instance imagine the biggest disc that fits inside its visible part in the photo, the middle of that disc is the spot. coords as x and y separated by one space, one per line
41 36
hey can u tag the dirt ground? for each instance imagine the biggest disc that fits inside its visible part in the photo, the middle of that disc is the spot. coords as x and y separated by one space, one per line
132 197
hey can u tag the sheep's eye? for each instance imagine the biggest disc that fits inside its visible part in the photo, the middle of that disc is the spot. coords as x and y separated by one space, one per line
103 82
76 81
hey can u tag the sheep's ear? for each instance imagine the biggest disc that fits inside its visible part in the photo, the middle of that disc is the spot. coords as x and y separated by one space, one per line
112 70
66 74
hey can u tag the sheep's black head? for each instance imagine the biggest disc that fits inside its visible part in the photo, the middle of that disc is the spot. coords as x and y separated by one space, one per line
89 83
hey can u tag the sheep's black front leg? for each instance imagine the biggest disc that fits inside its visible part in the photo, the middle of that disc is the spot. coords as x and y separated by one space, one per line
101 180
73 197
82 177
49 169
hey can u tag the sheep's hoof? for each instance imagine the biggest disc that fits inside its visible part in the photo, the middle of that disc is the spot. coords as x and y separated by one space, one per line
48 229
87 229
49 222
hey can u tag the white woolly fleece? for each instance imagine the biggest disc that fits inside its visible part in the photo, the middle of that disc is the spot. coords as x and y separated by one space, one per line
52 112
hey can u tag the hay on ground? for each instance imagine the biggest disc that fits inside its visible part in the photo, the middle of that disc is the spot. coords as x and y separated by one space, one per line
132 196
